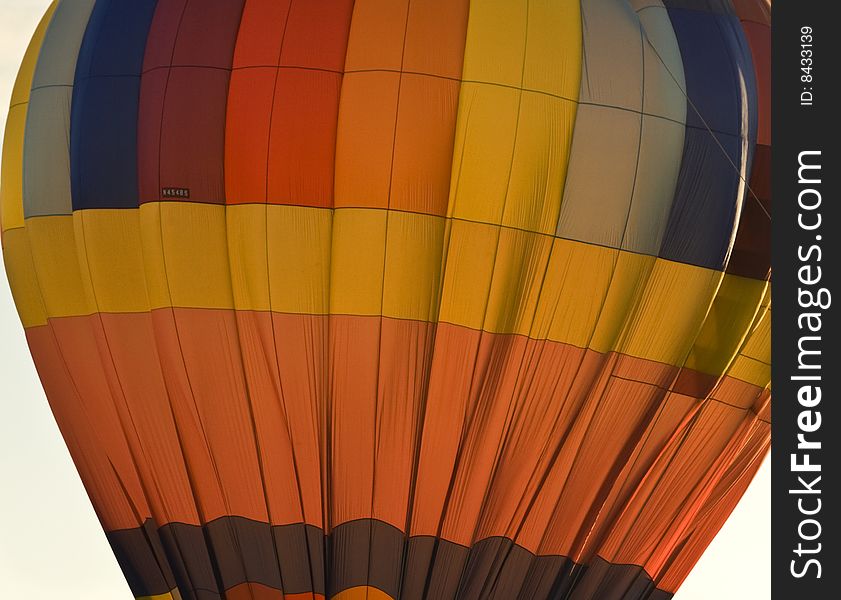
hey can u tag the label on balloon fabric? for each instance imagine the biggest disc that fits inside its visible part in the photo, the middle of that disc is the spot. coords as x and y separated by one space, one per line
175 192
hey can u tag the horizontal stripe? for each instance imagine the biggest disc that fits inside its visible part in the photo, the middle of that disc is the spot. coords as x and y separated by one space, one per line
142 392
366 559
376 262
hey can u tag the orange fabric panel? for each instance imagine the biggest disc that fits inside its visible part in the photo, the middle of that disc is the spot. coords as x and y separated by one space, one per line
377 35
279 473
283 102
354 362
445 420
609 426
301 343
548 380
676 488
92 433
249 112
328 22
718 507
737 393
255 591
262 31
445 22
200 356
399 105
758 11
405 358
303 137
423 144
365 139
142 399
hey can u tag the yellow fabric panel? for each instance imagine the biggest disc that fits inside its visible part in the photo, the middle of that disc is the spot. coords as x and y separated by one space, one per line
11 182
20 271
627 283
539 164
299 258
518 275
496 42
512 146
173 595
486 128
413 266
23 83
670 313
468 272
577 280
356 281
553 54
65 287
11 173
248 255
362 592
304 260
111 256
185 252
153 255
727 324
753 363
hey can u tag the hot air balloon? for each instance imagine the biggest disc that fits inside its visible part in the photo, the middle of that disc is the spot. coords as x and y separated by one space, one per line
399 299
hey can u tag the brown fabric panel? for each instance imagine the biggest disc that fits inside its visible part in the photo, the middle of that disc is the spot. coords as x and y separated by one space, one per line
300 553
605 581
191 559
695 384
143 560
231 557
751 255
737 393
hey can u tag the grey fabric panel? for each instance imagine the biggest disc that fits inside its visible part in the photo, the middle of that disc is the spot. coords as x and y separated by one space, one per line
624 164
600 179
46 154
663 131
60 49
665 82
612 59
661 151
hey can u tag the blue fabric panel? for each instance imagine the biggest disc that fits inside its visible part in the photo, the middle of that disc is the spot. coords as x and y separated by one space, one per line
703 214
103 124
721 126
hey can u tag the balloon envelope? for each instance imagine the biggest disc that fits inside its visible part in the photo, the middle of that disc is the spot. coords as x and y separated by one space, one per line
399 299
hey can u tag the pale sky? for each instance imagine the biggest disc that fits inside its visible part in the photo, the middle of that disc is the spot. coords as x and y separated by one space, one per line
51 544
